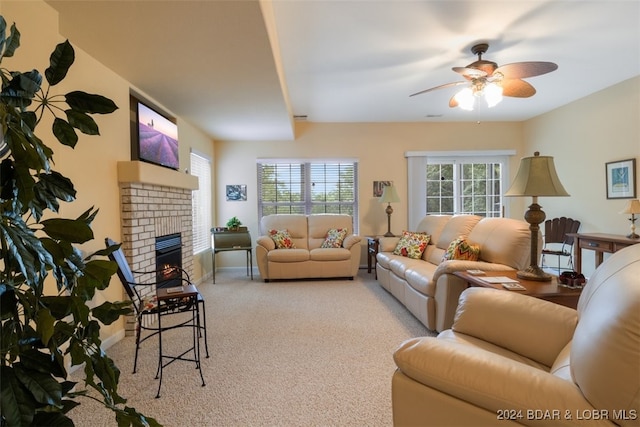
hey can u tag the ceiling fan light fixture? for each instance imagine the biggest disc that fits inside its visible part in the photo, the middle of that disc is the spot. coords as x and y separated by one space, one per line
465 99
492 94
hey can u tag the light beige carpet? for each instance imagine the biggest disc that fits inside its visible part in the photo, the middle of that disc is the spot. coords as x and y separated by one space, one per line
310 353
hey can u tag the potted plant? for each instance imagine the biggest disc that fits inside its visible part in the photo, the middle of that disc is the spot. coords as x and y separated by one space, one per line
234 223
40 329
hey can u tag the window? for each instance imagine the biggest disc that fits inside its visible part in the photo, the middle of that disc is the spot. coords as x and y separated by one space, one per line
201 200
311 187
464 187
457 183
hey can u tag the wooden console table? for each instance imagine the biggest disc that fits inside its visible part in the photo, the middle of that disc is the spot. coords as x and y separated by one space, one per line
224 240
599 243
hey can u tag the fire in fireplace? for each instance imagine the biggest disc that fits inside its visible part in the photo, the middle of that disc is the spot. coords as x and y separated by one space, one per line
168 257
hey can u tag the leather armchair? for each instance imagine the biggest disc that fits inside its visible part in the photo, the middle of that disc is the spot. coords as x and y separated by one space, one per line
511 359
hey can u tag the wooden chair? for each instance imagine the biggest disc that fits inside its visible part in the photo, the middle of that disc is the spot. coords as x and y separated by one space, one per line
147 307
557 242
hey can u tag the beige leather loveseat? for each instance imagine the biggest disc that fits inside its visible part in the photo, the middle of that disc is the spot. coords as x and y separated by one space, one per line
512 359
426 286
307 258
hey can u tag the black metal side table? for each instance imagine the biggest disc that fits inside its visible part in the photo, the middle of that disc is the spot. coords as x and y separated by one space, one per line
224 240
373 243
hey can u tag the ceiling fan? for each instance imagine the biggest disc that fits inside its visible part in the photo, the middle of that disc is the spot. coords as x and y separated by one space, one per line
485 78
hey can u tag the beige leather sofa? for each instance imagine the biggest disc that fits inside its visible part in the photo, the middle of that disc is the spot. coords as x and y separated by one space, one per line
512 359
426 286
307 259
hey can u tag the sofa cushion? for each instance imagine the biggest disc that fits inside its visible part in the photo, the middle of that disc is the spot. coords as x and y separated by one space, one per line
460 249
288 255
294 223
503 241
334 238
329 254
399 264
319 224
419 277
433 226
412 244
282 239
458 225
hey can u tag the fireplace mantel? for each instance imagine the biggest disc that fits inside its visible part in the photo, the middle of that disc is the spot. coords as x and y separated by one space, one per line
146 173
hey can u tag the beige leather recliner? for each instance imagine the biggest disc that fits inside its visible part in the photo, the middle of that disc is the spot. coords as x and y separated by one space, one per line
512 359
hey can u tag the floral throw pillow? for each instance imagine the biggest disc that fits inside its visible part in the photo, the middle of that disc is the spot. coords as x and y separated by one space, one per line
412 244
461 249
282 239
334 238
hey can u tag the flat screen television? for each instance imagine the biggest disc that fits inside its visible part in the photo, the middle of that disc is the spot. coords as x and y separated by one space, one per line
154 136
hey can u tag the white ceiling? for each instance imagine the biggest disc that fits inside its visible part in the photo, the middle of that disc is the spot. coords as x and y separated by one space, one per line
213 63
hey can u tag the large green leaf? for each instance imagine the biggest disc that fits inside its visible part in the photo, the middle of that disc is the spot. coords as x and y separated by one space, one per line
71 230
83 122
52 187
44 325
11 43
21 89
109 312
64 132
90 103
16 404
60 60
44 388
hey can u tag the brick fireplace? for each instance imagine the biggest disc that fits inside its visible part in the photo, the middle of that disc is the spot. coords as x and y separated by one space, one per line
154 202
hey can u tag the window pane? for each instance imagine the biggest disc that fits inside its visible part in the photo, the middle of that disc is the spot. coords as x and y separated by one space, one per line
201 202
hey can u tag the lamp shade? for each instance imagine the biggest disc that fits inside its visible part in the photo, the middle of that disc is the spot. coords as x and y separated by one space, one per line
536 177
632 207
389 195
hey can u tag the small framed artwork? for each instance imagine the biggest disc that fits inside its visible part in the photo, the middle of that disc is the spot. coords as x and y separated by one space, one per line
378 187
621 179
236 193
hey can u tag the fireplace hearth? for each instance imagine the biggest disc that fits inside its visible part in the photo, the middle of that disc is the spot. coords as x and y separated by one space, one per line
168 257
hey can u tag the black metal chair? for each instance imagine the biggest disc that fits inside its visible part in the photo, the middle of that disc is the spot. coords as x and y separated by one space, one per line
147 307
557 241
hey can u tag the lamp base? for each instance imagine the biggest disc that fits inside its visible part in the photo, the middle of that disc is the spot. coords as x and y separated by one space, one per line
633 236
533 272
389 234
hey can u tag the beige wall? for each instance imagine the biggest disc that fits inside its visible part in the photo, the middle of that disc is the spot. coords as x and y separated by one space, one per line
380 150
582 137
92 164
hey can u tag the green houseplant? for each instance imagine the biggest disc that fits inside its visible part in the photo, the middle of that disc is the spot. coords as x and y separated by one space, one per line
39 329
234 223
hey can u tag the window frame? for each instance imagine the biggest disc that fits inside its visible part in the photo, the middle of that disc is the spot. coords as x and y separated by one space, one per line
417 170
201 204
306 204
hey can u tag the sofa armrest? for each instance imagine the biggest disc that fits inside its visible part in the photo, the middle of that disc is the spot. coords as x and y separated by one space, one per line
490 381
266 242
387 244
451 266
516 322
351 240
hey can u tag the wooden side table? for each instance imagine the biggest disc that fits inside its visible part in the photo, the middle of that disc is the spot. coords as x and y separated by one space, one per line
550 291
599 243
373 244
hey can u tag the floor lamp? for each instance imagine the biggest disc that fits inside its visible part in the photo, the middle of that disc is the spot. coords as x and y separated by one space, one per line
389 196
536 177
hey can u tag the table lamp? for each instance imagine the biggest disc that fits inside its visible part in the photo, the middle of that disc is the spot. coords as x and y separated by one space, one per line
536 177
389 195
633 208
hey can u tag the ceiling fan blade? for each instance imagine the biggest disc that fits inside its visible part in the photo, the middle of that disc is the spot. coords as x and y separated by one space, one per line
439 87
517 88
520 70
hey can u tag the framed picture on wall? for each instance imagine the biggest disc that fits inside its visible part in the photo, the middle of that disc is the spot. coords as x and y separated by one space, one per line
621 179
236 193
378 187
